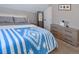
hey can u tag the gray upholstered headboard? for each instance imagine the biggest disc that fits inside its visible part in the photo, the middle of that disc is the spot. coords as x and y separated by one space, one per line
6 20
20 20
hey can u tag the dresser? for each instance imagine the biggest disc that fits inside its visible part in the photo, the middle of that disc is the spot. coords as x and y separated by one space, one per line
67 34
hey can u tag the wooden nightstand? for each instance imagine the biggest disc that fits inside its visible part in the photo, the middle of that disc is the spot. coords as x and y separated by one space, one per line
69 35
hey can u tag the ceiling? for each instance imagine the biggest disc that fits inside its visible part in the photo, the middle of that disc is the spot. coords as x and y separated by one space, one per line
25 7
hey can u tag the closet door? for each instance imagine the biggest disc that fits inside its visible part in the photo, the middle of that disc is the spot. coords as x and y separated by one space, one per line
40 19
48 18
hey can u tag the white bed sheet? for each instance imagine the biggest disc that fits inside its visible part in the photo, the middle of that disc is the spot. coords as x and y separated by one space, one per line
17 26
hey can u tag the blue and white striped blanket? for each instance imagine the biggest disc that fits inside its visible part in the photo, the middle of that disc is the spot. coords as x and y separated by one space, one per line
26 40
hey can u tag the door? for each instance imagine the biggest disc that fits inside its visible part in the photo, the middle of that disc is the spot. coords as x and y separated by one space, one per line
48 17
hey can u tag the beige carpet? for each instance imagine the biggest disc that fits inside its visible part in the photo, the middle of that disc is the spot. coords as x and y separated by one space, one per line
65 48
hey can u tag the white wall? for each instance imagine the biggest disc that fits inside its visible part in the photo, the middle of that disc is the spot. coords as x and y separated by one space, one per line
71 16
48 16
32 18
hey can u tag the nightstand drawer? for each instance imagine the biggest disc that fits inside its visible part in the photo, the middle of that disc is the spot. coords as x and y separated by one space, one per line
71 42
57 34
56 27
68 31
68 37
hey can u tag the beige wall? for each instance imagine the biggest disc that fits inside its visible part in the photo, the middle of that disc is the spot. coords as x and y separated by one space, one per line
71 16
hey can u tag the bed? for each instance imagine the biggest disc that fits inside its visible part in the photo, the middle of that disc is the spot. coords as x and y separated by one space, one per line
25 39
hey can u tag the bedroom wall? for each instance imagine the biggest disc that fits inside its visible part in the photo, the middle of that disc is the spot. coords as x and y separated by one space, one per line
71 16
11 12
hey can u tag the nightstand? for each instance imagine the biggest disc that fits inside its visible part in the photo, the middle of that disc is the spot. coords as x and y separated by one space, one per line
69 35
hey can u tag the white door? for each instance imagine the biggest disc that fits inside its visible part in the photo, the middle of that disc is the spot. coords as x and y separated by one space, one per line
48 18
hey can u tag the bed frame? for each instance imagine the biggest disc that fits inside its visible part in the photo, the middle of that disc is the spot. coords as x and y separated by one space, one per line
7 20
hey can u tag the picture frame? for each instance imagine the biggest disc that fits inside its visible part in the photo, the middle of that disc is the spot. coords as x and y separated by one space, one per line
40 15
64 7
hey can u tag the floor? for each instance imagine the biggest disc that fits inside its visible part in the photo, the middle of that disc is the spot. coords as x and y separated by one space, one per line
65 48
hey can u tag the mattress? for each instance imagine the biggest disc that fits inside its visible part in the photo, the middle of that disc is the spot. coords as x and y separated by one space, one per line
25 39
